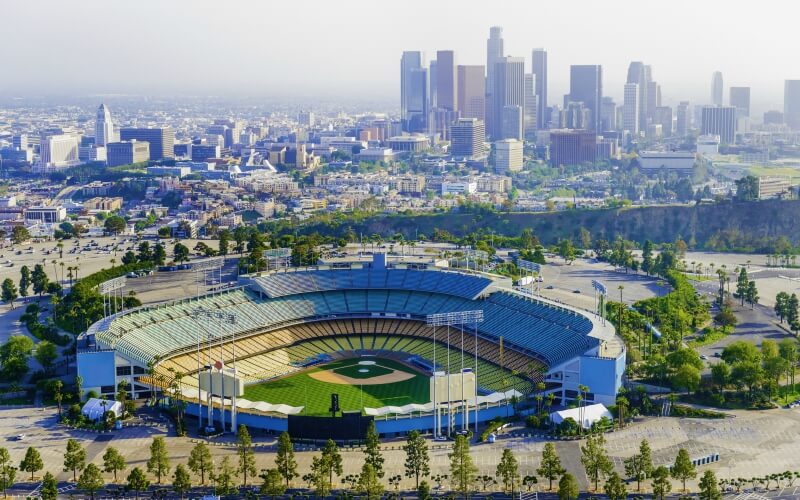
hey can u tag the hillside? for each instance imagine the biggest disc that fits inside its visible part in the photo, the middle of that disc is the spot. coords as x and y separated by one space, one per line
734 226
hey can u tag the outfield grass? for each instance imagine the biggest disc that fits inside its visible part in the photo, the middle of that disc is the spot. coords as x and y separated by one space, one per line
315 396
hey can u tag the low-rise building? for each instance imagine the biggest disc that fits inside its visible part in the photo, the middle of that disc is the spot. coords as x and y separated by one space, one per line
678 162
773 187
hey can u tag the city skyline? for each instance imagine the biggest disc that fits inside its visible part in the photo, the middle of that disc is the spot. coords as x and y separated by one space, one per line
253 41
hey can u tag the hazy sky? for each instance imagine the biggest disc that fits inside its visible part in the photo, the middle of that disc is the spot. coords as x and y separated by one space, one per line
351 48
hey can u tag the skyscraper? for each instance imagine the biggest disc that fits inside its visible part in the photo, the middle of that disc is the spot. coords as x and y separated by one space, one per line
791 104
103 127
716 88
446 80
539 71
472 91
638 75
161 140
739 98
683 119
608 114
721 121
663 117
586 86
530 118
413 93
630 109
467 136
494 52
653 100
509 90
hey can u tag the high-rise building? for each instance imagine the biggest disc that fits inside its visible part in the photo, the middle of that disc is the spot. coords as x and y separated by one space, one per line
446 80
608 114
716 88
413 93
721 121
472 91
575 116
161 140
508 156
103 127
586 86
653 100
58 151
19 141
494 53
739 98
663 117
637 73
467 136
572 147
509 91
127 152
539 71
683 119
530 118
791 104
513 121
630 109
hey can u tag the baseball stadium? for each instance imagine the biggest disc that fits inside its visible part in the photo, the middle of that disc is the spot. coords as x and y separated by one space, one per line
410 345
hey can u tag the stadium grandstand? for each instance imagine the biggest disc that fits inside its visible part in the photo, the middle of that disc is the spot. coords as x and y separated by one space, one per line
298 319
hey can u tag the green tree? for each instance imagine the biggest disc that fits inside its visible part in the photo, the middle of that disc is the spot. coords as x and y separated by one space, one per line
781 305
319 476
747 188
46 354
688 377
145 253
32 462
369 483
113 462
462 469
14 356
7 472
24 281
49 489
39 280
752 294
137 481
74 458
742 282
508 470
20 234
181 482
595 459
417 460
224 478
284 458
661 484
115 224
200 461
372 450
550 467
180 253
159 254
158 463
683 468
224 241
332 460
9 291
615 488
721 375
273 483
244 450
640 465
647 257
566 251
568 487
709 486
91 480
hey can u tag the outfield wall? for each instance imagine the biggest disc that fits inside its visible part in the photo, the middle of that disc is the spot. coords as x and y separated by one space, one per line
390 426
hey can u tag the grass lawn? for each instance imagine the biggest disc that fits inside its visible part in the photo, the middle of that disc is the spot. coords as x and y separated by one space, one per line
315 396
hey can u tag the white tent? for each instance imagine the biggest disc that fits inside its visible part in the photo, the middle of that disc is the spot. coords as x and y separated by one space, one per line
95 408
590 414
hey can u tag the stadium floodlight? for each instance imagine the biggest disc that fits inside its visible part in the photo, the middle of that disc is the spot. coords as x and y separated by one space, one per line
112 285
601 288
529 266
476 254
276 253
455 318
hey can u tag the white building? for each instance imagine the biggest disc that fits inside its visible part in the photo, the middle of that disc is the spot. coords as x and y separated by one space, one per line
103 127
708 145
630 109
680 162
459 187
57 152
508 156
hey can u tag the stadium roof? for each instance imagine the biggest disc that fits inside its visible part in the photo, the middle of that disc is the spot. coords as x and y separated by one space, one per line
545 330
